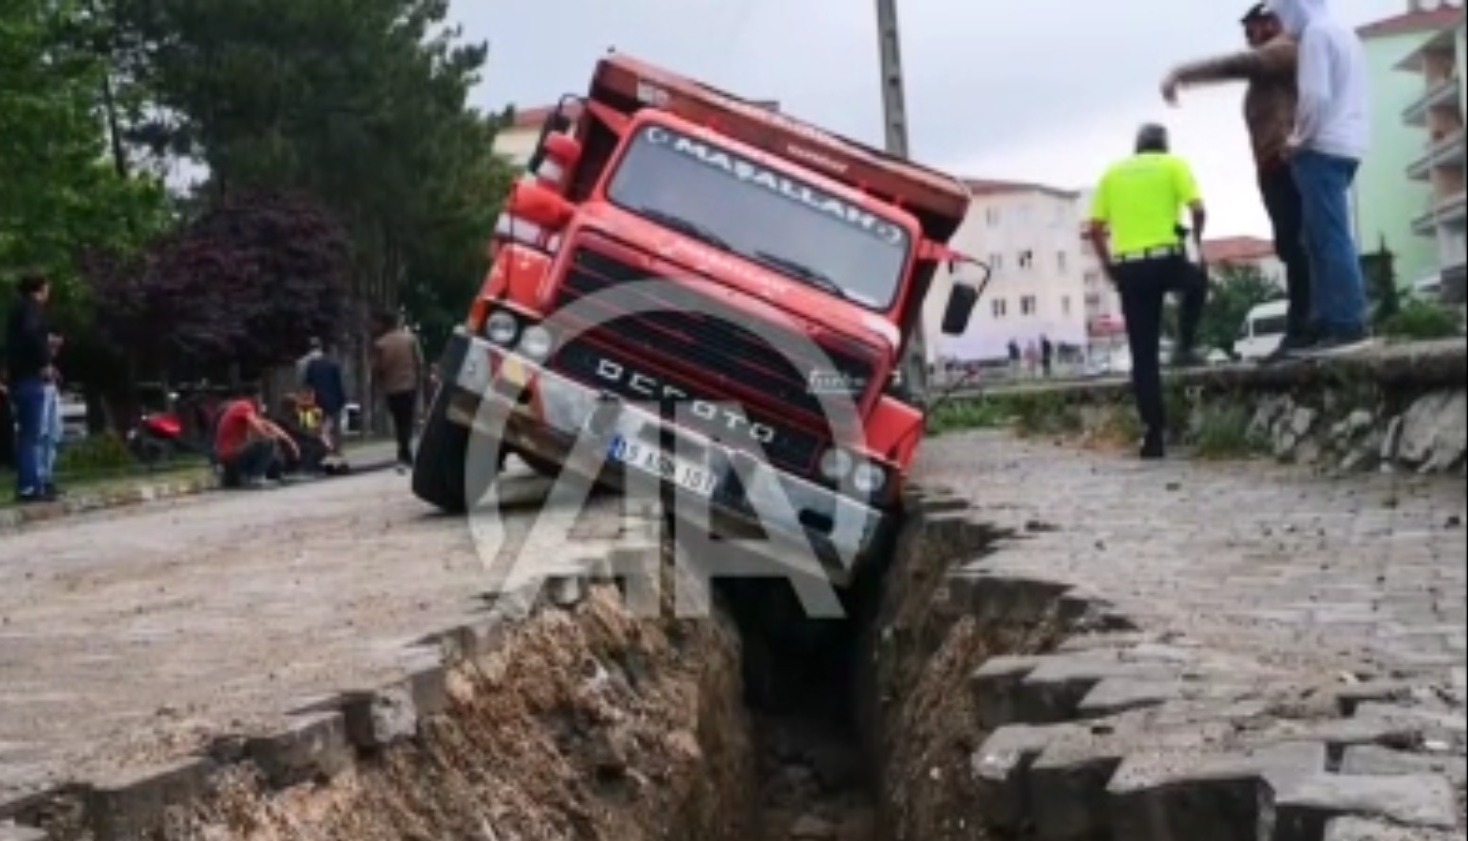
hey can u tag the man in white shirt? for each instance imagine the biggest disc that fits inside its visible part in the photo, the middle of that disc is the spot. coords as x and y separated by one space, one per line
1331 135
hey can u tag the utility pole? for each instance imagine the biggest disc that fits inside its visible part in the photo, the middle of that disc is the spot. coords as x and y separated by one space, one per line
894 118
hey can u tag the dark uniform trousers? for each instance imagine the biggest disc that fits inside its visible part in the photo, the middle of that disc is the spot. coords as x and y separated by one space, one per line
1144 286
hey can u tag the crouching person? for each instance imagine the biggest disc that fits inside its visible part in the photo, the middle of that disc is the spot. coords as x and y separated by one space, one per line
250 448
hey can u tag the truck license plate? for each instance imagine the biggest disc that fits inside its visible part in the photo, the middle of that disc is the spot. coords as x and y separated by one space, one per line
652 460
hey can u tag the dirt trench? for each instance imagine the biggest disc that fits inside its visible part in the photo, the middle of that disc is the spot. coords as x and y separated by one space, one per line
585 723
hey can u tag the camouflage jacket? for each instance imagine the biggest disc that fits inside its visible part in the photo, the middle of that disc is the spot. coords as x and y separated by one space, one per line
1269 103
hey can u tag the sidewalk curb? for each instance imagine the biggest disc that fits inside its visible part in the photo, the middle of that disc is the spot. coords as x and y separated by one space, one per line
17 518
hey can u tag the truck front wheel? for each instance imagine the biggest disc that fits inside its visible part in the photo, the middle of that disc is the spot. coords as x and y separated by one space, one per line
442 475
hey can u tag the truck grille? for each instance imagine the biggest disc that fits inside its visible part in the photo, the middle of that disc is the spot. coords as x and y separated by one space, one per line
584 360
705 338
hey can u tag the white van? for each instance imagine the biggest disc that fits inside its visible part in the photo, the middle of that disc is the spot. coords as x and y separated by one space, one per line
1262 330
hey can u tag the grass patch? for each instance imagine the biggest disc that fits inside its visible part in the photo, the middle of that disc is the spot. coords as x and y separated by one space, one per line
1224 432
960 415
1047 413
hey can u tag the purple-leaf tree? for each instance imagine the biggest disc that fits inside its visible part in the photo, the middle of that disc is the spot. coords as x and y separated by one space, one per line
245 283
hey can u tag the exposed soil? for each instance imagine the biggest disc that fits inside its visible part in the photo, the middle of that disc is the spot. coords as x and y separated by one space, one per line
589 724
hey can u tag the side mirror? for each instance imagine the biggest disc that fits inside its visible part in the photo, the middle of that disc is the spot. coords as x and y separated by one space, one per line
960 309
539 205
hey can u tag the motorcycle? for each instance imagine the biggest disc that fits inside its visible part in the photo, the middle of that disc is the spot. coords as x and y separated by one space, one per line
157 437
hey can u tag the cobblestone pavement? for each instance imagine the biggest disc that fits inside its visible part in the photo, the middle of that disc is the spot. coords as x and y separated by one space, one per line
1359 573
131 638
1307 631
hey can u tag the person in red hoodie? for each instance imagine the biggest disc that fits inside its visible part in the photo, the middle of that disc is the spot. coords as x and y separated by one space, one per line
248 445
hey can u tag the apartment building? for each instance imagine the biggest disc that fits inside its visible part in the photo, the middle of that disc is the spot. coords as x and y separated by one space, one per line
1027 233
1436 115
1244 252
1394 193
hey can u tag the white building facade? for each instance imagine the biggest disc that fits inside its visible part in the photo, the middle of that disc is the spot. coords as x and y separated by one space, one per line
1027 234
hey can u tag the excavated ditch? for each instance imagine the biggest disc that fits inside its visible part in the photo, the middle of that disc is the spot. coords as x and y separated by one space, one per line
583 722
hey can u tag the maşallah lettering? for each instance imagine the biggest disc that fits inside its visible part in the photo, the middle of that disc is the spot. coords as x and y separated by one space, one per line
750 173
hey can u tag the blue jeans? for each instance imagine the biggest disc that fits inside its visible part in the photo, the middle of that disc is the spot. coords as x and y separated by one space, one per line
1339 296
50 436
30 412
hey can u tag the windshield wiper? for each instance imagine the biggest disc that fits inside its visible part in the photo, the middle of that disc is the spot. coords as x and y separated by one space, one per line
683 226
802 271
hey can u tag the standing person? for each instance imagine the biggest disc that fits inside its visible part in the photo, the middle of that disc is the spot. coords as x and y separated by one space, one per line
1270 67
1047 356
1014 357
1134 230
51 427
1331 134
397 367
323 377
313 350
28 358
7 425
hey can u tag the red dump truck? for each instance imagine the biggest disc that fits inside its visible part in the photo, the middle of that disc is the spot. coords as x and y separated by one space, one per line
673 244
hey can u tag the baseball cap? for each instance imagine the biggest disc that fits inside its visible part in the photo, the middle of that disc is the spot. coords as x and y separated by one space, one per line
1256 13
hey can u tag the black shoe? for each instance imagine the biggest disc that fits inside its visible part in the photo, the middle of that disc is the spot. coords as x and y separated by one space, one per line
1290 347
32 498
1153 447
1338 344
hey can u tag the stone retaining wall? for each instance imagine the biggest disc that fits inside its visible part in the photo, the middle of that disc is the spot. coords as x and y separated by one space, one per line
1401 408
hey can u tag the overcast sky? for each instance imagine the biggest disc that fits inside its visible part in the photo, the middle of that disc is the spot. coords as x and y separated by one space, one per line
1047 90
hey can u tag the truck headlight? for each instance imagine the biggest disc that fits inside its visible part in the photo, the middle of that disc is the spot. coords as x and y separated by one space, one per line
536 342
501 328
868 478
835 464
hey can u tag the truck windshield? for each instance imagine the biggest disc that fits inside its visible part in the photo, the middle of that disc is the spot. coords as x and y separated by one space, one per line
707 192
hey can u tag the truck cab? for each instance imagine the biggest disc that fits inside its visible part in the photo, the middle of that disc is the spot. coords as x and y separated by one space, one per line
705 291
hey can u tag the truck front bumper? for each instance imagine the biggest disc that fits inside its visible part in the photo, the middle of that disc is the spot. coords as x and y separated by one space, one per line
530 409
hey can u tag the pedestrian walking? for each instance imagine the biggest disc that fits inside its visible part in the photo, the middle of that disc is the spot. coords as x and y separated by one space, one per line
398 368
1331 134
1134 230
1270 68
28 359
323 377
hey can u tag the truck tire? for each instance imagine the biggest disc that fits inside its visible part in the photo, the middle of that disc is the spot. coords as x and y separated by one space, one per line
441 473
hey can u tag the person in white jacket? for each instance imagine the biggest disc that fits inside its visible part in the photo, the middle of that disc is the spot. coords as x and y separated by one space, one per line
1331 135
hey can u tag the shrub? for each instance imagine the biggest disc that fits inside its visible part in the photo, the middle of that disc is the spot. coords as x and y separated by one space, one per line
95 454
1421 320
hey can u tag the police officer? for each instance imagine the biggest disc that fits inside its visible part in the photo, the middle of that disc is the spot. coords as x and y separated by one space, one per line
1134 228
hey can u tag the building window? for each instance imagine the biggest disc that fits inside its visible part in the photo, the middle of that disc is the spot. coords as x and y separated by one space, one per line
1060 261
1065 305
998 307
1024 216
996 262
991 215
1027 305
1026 259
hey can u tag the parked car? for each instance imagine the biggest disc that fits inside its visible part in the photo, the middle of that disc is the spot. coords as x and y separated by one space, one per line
1262 330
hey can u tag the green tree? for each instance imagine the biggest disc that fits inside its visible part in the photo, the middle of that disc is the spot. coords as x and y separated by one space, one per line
1236 289
361 103
59 196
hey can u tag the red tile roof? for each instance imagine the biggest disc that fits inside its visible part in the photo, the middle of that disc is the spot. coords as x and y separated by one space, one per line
995 187
1225 250
1427 20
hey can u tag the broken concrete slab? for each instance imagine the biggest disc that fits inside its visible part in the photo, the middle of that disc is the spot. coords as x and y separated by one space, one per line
1303 806
129 806
1166 795
995 687
378 719
999 767
313 747
1360 829
1375 760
